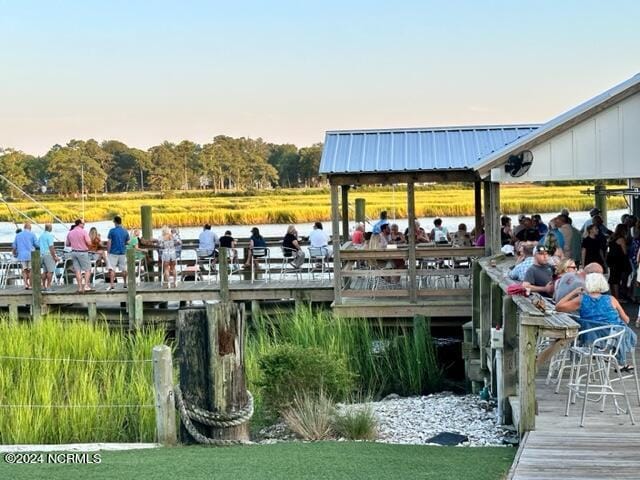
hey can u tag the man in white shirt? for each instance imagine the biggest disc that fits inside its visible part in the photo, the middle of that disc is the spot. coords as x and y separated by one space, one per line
208 241
318 238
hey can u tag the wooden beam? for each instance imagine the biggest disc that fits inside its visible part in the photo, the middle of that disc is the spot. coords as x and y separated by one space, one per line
527 378
411 211
485 317
163 388
335 223
510 354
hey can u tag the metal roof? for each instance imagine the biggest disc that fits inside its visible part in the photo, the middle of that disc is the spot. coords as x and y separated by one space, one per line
416 149
560 123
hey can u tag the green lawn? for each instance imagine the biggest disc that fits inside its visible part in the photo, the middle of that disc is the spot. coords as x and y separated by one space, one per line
296 461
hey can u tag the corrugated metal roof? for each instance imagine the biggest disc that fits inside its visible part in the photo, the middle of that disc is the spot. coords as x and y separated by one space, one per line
559 124
417 149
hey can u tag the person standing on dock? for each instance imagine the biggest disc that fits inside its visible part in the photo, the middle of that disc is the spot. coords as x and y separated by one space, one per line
79 241
23 245
48 255
117 240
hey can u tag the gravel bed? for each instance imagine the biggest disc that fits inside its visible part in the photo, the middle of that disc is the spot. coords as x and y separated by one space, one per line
415 420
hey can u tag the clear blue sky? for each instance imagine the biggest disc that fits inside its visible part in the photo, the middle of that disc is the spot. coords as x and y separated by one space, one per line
287 71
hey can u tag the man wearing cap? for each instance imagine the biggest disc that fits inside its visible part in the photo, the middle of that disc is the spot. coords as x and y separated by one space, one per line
539 277
592 213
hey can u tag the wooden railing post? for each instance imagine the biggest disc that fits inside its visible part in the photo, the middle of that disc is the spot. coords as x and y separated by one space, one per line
527 374
165 402
335 237
223 271
510 354
36 286
485 317
131 288
476 270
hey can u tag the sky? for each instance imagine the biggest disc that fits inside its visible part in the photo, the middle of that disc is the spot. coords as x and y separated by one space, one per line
287 71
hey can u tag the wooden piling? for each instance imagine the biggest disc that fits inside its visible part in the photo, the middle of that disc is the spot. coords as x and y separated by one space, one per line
146 221
164 398
345 213
92 312
527 380
510 354
227 385
485 318
360 210
223 271
601 200
192 348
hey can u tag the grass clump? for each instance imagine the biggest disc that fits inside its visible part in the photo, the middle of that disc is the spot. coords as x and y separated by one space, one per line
356 423
47 396
311 416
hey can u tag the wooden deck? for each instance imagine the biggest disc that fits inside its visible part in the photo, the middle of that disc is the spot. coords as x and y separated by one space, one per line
605 448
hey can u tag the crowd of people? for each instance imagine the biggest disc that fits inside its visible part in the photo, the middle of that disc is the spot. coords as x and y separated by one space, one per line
589 271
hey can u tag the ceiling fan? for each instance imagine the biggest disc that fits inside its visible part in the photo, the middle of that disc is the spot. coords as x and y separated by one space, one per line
518 165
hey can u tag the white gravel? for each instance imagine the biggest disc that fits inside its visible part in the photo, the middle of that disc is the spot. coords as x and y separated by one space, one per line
414 420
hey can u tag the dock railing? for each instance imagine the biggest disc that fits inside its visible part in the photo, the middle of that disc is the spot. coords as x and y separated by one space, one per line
512 378
440 271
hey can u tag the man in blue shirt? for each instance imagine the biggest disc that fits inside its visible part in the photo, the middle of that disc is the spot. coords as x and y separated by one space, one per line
377 228
48 255
117 240
24 243
208 241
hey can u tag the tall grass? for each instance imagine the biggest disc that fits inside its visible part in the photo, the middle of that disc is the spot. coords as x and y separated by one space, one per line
302 206
401 361
46 397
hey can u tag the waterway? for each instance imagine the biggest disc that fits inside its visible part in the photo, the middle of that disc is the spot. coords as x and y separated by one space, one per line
7 229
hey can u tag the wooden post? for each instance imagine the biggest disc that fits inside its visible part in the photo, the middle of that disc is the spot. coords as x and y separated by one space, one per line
147 222
476 270
138 312
494 213
92 312
635 200
131 287
345 213
193 365
527 374
13 312
510 354
488 219
36 286
335 237
223 271
227 384
360 210
165 402
255 309
496 320
485 317
411 213
477 202
601 200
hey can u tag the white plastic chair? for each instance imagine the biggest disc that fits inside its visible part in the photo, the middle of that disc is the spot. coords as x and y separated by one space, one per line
318 256
260 257
286 267
599 360
190 265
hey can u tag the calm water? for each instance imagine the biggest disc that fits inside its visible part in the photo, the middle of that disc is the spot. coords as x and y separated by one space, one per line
7 229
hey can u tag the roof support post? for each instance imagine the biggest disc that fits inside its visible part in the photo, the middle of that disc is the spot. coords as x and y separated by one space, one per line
601 200
477 202
411 212
335 237
345 213
492 217
635 200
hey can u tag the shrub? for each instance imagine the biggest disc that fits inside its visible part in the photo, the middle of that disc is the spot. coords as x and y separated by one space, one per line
288 370
356 423
310 416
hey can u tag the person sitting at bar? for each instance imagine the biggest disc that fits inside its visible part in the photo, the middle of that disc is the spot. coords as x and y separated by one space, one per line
439 234
539 277
596 310
573 279
207 242
528 232
523 261
291 247
461 238
358 235
395 237
318 238
421 235
229 242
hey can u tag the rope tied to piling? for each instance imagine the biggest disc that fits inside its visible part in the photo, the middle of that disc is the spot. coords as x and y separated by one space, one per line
212 419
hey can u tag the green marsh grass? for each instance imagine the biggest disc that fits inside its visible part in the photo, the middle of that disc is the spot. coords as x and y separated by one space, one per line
59 400
401 361
302 206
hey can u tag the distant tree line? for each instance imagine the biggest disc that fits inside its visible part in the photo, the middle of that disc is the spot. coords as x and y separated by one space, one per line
237 164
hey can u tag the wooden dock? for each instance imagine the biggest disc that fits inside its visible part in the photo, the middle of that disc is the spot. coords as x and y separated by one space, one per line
605 448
